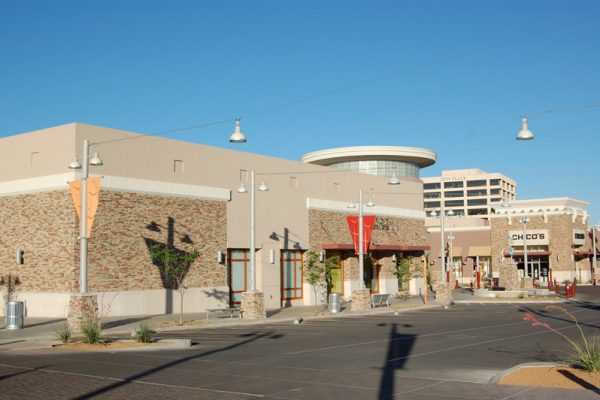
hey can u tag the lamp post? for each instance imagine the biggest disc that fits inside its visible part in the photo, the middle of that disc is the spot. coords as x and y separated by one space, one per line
442 216
524 221
361 256
242 189
86 161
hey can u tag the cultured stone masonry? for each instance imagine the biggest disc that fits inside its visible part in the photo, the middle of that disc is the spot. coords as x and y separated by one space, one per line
528 283
253 305
509 276
82 307
443 291
361 300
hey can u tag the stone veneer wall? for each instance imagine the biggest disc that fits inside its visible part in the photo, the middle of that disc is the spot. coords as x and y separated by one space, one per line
45 226
127 223
331 227
560 229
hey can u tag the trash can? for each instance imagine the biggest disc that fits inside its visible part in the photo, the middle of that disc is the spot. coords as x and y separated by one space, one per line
334 302
14 315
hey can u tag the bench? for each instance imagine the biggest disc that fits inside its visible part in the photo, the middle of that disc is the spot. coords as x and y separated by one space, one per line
380 300
215 311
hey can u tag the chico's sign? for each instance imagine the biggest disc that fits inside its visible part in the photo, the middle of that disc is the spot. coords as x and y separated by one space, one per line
534 236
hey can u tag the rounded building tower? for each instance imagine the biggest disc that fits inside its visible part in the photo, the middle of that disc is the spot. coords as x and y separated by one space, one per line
375 160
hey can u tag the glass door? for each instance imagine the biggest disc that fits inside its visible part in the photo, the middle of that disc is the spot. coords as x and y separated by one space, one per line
239 273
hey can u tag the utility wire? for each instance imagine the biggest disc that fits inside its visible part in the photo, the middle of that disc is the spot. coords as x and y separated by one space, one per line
369 81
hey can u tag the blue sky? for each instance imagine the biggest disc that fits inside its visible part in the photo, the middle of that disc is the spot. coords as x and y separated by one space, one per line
149 66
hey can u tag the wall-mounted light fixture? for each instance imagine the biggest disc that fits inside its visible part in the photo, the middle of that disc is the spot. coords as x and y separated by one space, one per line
271 256
19 257
220 257
394 258
322 256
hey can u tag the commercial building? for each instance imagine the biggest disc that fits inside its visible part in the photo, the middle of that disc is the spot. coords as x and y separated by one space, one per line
467 191
162 192
552 234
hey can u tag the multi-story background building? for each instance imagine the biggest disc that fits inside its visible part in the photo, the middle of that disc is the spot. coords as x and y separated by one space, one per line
467 191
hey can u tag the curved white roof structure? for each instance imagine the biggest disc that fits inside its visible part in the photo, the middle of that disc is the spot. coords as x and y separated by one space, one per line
374 160
419 156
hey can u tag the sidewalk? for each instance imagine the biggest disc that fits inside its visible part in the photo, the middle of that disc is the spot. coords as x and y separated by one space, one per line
40 332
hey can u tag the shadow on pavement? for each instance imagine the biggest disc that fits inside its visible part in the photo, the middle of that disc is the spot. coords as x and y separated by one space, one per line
399 348
151 371
574 378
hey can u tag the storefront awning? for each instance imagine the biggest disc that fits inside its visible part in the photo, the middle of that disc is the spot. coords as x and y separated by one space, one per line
482 251
582 252
373 247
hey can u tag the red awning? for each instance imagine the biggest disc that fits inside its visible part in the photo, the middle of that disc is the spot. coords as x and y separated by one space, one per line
582 252
373 247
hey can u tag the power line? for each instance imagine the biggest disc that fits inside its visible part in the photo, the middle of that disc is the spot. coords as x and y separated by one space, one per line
372 80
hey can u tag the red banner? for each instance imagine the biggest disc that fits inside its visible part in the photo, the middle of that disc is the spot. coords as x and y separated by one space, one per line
368 223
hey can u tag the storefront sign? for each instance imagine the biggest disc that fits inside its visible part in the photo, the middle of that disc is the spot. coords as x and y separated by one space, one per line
533 236
382 224
578 237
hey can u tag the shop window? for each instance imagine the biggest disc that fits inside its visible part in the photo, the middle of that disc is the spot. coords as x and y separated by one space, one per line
239 274
291 274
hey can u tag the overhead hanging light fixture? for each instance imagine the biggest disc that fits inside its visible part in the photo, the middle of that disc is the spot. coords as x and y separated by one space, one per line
237 136
524 133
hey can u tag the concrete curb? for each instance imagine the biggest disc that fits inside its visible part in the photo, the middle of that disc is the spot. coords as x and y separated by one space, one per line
160 344
507 301
496 378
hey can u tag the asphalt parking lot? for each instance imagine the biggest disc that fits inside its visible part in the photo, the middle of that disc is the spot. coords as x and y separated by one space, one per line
422 354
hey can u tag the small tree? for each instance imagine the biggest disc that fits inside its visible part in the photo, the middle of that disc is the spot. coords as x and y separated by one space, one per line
318 273
176 264
405 271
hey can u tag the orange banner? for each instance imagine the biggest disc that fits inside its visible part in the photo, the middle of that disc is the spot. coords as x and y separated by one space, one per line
93 198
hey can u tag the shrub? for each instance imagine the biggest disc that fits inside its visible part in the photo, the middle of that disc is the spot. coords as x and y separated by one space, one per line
586 356
63 333
92 331
143 334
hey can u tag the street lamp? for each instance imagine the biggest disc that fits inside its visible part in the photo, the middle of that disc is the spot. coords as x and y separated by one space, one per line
242 189
361 256
85 162
442 216
237 136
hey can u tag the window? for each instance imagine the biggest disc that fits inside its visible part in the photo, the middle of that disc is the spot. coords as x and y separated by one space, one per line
291 274
454 203
476 202
239 273
481 182
494 182
458 213
432 204
496 200
478 211
495 191
454 184
477 192
431 195
178 166
454 193
428 186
